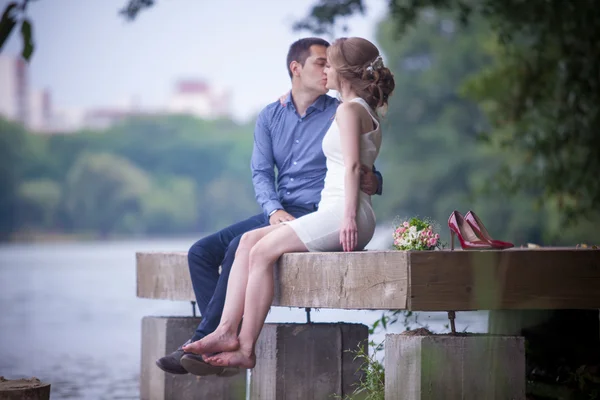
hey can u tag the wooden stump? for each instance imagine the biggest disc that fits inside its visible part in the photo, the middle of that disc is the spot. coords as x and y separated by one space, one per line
24 389
454 367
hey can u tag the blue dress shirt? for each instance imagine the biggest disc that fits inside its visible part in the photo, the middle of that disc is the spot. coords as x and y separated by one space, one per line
292 144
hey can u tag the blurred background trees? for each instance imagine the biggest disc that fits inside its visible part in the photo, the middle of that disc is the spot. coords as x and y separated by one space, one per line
495 110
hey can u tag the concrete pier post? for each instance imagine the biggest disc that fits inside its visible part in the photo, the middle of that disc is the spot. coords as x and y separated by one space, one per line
162 335
454 367
307 361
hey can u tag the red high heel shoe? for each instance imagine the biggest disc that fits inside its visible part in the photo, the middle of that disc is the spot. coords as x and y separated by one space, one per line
473 220
466 235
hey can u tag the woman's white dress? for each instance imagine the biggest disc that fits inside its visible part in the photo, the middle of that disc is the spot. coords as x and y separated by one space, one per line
320 230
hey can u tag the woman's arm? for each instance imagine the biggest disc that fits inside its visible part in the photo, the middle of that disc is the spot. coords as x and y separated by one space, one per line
348 120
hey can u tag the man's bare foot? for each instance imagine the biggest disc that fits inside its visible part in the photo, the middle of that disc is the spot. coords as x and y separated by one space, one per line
216 342
238 358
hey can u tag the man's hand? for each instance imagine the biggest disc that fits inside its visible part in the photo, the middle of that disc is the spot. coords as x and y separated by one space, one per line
368 181
280 216
283 98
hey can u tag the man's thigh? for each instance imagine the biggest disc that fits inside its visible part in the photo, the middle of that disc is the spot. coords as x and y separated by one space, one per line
239 228
222 239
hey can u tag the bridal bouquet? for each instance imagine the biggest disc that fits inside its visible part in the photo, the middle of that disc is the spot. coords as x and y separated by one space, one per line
416 234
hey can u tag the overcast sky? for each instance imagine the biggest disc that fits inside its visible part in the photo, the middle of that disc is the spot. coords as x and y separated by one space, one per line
88 56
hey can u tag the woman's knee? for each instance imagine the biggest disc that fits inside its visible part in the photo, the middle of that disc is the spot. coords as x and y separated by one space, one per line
261 255
248 240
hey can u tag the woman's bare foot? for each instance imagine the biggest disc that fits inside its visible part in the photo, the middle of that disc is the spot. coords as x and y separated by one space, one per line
216 342
238 358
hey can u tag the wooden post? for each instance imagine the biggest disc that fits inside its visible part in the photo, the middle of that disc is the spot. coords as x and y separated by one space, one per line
24 389
454 367
307 361
162 335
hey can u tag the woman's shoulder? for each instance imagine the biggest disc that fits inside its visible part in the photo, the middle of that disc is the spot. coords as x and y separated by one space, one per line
351 110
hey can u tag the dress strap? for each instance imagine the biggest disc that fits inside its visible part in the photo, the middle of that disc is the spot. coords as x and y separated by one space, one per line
362 102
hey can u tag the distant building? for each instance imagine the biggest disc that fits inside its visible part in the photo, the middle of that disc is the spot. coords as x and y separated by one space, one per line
196 97
41 115
14 89
34 108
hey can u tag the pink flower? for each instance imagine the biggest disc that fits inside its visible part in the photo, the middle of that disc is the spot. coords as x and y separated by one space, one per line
432 242
406 224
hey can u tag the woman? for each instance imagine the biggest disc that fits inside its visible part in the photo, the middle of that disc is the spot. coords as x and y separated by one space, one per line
344 220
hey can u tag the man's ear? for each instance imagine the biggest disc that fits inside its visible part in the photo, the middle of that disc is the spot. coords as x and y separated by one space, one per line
295 67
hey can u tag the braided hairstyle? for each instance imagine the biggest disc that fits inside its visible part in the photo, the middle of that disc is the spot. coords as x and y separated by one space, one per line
358 62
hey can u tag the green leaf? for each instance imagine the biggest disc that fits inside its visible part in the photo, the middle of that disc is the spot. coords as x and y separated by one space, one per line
27 35
7 23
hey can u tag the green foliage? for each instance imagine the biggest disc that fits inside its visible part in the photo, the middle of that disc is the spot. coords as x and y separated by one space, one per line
535 73
38 205
546 114
156 175
170 206
324 15
13 15
103 192
432 150
372 383
133 7
409 320
13 152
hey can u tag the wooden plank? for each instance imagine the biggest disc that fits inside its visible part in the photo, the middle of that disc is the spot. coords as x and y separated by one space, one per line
547 278
361 280
162 275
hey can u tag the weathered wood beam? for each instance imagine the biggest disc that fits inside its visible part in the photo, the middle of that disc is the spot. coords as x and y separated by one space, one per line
547 278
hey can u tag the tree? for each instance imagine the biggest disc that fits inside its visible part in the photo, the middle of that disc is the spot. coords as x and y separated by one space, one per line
541 94
105 192
171 206
15 14
38 204
13 150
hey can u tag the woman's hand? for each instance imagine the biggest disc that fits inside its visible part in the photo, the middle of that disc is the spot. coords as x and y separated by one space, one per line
349 234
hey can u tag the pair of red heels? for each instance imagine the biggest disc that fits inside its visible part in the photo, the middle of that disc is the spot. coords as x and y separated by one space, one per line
472 233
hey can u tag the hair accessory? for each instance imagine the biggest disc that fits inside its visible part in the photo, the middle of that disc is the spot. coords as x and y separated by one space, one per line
376 64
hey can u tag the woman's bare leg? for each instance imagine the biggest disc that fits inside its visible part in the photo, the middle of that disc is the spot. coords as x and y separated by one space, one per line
259 294
225 337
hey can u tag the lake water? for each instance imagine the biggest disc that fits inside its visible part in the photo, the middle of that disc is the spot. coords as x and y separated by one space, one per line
69 315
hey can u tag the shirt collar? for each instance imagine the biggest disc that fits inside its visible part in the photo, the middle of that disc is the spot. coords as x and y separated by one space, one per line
319 103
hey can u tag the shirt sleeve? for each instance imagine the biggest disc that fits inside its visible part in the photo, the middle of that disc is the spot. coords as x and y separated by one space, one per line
263 167
380 179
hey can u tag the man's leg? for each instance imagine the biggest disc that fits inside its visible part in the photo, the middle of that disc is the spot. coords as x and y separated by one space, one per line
211 311
207 254
210 320
204 259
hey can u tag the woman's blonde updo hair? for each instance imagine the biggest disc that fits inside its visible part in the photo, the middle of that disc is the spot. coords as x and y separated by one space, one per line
358 62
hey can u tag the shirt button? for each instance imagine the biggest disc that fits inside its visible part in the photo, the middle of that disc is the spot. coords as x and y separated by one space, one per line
287 192
292 179
295 162
297 141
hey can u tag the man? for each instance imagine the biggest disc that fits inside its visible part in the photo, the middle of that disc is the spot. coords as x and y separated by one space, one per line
288 136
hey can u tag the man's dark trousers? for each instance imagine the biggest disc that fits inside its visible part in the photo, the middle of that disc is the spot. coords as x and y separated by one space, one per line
218 249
